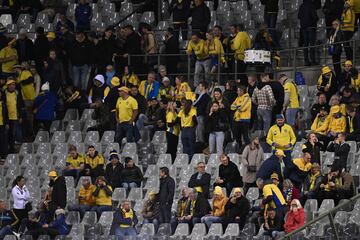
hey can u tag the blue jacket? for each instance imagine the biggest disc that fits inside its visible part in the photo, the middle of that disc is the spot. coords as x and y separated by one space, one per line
45 104
268 167
119 218
83 13
60 225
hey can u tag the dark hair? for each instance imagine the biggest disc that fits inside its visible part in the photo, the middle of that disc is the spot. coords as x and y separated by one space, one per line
129 27
165 170
17 180
72 148
187 106
91 146
40 30
218 90
195 34
241 27
270 209
242 87
219 27
205 84
127 160
109 28
181 78
147 26
152 72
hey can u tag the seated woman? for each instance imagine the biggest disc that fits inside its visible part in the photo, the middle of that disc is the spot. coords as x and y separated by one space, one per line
102 195
150 210
290 192
131 175
295 217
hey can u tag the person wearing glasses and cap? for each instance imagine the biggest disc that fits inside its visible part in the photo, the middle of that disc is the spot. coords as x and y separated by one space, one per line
113 170
58 194
327 82
201 180
126 113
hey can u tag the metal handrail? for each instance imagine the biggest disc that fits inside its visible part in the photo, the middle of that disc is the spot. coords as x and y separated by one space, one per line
323 215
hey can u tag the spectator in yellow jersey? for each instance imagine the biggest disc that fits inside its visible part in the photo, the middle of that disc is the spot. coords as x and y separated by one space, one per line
182 88
102 196
188 122
126 114
291 101
8 58
299 169
15 109
239 44
172 130
85 198
196 46
281 136
75 163
150 88
27 86
129 78
242 115
94 163
166 89
320 120
215 50
348 27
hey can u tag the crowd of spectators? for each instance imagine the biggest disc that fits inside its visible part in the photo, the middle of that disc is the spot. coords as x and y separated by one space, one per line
75 68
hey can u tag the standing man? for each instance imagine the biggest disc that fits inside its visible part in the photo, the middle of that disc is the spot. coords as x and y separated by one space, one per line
270 17
263 97
126 113
200 180
166 195
281 136
83 15
291 101
196 46
171 47
201 104
200 15
58 194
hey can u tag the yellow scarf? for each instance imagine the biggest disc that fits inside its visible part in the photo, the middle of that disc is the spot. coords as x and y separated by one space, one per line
148 89
129 214
193 202
313 180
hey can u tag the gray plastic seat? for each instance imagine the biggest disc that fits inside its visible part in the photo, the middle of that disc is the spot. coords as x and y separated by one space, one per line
164 230
164 160
199 229
71 114
70 183
108 137
44 237
232 230
23 20
58 137
147 229
341 218
135 194
182 229
92 137
70 12
6 19
215 230
42 136
44 148
129 148
197 157
77 230
152 183
26 148
326 205
181 159
152 170
186 172
159 137
29 159
73 217
88 124
75 137
55 126
252 194
148 17
10 237
60 148
109 147
90 218
126 8
119 194
248 231
106 218
87 114
73 125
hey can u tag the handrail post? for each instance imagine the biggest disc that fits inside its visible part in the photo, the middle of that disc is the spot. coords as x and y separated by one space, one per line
188 67
158 60
235 70
128 60
332 224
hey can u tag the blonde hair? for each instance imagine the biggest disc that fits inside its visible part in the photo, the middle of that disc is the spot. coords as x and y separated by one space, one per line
297 202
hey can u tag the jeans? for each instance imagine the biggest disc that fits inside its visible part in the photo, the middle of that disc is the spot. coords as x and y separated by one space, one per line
128 185
165 213
154 221
5 231
272 234
264 117
121 232
309 38
125 129
188 140
80 76
100 209
200 129
141 120
15 133
216 139
208 220
199 67
290 115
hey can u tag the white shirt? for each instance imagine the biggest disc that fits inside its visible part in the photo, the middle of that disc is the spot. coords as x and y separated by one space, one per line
20 196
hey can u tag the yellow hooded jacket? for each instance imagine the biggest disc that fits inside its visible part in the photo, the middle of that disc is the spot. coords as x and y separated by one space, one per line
219 203
242 106
283 137
239 44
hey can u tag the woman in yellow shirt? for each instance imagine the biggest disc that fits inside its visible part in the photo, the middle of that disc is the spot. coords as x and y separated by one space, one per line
214 48
188 122
172 130
182 88
102 195
129 79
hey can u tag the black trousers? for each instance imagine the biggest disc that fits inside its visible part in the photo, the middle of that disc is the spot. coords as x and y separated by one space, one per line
180 27
3 142
35 233
172 142
20 214
241 129
165 213
348 49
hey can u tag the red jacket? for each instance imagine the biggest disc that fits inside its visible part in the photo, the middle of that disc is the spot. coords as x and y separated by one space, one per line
294 220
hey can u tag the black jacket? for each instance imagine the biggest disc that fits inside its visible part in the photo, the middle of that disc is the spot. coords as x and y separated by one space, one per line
203 182
202 105
112 97
314 150
81 53
341 153
230 173
217 122
315 109
58 195
25 49
239 209
270 5
54 74
172 47
180 11
202 207
333 9
142 103
279 93
200 17
307 15
276 224
167 191
132 174
355 124
104 51
41 50
113 175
